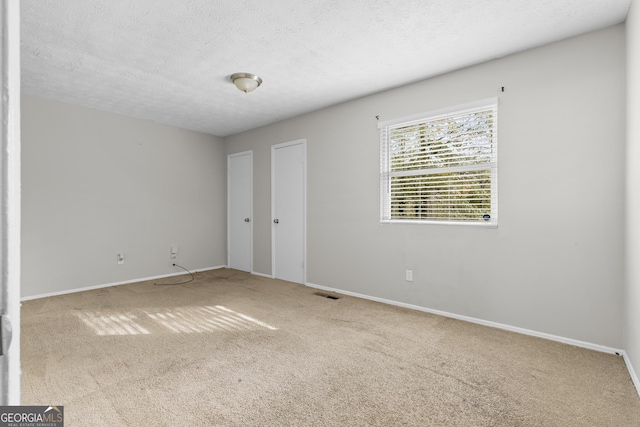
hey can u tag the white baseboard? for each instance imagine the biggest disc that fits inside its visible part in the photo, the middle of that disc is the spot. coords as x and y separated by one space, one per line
255 273
577 343
268 276
632 372
108 285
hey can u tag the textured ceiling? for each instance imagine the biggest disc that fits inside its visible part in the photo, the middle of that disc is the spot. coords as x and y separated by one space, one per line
170 60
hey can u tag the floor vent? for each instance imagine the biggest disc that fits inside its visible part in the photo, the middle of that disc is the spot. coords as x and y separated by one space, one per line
322 294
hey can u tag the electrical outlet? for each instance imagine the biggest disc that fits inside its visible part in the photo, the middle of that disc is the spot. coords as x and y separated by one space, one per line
408 275
120 258
174 252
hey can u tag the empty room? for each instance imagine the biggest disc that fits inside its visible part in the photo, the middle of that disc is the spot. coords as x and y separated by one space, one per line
323 213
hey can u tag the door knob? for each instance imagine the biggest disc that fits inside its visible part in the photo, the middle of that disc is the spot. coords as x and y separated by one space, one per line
276 221
247 220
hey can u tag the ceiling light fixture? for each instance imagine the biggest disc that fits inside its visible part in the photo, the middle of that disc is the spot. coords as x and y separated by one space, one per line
246 82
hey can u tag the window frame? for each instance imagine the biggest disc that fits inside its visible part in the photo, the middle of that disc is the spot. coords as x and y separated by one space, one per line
385 166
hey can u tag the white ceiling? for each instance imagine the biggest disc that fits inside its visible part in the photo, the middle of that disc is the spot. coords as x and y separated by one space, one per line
170 60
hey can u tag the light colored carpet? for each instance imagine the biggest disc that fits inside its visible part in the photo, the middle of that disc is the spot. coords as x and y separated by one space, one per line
232 349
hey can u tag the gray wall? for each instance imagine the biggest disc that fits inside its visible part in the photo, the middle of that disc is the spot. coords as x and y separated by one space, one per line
554 264
94 184
632 295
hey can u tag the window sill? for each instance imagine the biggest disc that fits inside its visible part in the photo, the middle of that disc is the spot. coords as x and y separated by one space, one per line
488 224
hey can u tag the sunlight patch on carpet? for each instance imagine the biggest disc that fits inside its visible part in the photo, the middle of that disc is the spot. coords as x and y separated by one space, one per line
113 324
180 320
206 319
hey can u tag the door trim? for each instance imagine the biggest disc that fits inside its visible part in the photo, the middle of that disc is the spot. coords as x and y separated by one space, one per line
10 381
274 147
229 157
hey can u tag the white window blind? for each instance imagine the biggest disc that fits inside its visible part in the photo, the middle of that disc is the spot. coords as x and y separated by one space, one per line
441 168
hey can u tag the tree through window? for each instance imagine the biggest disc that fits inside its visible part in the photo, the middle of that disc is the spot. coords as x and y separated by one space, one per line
441 167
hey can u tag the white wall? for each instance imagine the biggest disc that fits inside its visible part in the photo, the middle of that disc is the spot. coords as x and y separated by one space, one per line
632 294
555 263
95 184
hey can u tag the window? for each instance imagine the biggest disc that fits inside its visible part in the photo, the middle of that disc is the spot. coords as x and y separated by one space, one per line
441 167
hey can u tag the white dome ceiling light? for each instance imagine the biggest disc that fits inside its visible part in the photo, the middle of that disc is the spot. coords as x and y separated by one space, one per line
246 82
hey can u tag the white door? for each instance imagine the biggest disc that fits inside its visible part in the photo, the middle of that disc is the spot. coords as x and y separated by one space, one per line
239 210
288 204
